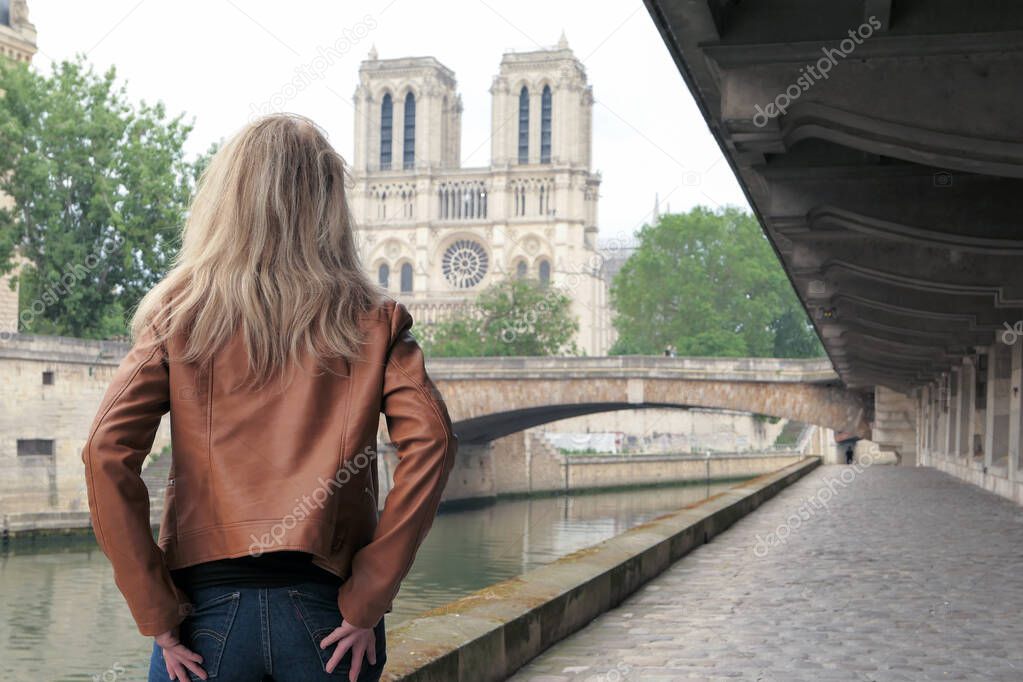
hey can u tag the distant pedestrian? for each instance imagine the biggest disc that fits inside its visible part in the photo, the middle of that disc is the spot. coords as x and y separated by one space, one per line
849 454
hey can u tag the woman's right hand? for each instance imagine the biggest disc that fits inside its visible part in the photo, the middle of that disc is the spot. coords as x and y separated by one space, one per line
362 642
178 657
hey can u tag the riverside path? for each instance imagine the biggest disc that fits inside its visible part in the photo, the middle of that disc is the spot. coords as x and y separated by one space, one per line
852 573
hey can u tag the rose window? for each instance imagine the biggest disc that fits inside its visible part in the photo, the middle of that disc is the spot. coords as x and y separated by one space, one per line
464 263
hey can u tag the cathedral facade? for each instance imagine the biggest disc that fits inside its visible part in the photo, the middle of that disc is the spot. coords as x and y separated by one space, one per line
436 233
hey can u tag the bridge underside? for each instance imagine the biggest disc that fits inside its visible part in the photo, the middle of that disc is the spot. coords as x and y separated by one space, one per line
879 142
478 430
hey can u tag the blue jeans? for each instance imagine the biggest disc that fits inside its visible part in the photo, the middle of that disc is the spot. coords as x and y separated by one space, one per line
249 634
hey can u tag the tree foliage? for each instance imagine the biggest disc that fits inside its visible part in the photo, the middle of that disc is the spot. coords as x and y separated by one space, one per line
709 284
100 188
512 317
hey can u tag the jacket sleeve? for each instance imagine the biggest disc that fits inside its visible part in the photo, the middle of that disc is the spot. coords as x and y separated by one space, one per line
418 422
121 436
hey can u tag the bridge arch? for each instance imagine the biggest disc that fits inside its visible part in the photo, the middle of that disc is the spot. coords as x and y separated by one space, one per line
489 398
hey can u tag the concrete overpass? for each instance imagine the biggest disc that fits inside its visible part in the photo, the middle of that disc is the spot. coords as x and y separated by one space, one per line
880 144
489 398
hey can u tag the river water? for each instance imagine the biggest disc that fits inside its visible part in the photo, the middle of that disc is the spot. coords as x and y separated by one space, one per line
62 618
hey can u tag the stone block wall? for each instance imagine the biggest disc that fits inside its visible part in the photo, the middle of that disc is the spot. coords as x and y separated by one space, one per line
8 306
894 427
50 390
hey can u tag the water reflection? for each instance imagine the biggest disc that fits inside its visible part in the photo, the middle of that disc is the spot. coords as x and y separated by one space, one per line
62 617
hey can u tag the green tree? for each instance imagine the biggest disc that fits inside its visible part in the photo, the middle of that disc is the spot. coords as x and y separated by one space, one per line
100 187
794 336
708 283
513 317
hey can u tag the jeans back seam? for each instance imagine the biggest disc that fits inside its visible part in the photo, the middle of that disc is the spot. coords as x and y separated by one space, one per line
264 627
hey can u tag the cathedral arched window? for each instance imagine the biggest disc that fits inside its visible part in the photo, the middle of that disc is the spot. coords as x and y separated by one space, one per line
545 271
409 157
406 278
545 125
546 189
520 269
386 131
384 275
524 125
5 12
520 200
408 198
462 200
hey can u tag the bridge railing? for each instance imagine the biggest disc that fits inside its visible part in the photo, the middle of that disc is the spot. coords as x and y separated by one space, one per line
775 370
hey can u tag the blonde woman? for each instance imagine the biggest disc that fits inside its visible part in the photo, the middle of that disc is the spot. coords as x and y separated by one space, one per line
275 355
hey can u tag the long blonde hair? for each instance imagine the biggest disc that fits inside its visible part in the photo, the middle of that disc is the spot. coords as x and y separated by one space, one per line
267 249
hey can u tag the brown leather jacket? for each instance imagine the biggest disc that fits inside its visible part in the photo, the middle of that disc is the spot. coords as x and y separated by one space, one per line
254 472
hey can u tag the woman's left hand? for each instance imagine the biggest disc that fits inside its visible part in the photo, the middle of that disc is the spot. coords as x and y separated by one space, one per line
362 642
178 657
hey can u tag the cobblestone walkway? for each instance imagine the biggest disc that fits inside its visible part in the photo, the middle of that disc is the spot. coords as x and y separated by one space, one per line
905 574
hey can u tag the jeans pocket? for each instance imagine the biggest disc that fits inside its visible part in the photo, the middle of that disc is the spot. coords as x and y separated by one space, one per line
206 629
321 616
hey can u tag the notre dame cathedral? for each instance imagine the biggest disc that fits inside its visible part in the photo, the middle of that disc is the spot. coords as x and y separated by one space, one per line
435 233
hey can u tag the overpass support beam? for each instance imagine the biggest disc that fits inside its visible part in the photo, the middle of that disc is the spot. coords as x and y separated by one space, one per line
1015 412
955 412
896 421
968 410
990 401
946 412
1001 406
928 421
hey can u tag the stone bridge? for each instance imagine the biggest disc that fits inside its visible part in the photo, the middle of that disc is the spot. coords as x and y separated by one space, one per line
51 386
489 398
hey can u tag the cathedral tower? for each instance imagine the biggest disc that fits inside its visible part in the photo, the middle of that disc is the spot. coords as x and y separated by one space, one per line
407 115
528 90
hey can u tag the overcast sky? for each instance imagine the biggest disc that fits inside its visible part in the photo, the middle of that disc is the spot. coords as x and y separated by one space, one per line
221 60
